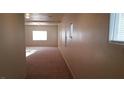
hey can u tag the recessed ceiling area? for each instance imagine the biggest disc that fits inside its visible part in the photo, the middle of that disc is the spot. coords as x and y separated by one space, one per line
43 17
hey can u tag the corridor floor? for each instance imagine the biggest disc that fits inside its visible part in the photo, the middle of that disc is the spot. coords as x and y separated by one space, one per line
46 63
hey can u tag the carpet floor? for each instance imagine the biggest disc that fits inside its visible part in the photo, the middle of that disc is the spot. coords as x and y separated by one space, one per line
46 63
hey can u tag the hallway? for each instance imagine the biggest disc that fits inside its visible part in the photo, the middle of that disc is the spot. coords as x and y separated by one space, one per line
52 46
90 48
46 63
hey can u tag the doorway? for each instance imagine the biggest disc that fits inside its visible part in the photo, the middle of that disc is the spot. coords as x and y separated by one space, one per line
44 60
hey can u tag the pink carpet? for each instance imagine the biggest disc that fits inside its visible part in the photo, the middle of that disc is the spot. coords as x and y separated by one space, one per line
46 63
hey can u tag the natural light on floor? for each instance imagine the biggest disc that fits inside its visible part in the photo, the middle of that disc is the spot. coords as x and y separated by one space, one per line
39 35
30 51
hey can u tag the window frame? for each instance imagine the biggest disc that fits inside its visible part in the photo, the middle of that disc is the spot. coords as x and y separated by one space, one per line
113 28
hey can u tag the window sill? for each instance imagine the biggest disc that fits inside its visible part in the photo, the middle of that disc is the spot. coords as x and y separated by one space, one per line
117 42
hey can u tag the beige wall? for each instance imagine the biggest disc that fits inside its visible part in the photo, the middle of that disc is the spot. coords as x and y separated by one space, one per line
52 35
12 54
89 54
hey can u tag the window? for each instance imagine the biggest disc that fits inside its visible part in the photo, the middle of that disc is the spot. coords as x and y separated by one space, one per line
116 30
71 30
39 35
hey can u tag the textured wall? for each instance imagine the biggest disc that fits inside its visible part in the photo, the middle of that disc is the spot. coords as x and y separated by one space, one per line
52 38
12 46
89 54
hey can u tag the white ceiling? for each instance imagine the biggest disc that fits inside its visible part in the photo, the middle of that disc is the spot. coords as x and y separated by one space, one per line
43 17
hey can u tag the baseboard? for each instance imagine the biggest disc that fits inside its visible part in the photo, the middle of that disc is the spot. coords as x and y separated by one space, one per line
66 61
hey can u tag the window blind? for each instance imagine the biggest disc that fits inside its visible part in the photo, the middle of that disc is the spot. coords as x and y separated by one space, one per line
116 31
120 35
